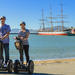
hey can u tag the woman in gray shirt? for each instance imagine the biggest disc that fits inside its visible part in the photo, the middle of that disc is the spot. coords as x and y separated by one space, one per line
23 35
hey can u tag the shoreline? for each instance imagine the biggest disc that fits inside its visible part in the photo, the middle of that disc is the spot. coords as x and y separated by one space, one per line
49 61
54 61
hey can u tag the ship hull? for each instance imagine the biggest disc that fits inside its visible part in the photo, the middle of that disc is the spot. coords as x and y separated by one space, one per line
70 34
52 33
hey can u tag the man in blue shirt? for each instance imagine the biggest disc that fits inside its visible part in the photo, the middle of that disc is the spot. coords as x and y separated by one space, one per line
5 29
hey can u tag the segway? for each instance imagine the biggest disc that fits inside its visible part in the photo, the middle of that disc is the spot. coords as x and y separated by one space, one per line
9 66
20 67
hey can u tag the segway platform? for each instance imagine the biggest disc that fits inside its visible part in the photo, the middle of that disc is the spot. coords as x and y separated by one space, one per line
8 68
29 68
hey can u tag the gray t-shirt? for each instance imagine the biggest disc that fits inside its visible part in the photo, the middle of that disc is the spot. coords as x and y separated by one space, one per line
24 34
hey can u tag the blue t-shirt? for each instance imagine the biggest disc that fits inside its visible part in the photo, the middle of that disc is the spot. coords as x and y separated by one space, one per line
24 34
5 29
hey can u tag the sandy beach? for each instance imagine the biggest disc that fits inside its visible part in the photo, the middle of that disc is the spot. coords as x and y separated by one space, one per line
51 67
56 67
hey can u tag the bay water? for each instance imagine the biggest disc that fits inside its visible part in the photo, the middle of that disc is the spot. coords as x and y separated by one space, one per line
46 47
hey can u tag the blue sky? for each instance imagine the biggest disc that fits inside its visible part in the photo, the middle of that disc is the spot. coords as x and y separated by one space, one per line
30 11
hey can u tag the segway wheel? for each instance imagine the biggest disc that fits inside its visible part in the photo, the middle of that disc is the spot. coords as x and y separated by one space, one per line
10 66
30 67
16 66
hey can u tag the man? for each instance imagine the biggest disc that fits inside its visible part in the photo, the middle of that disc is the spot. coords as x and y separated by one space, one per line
5 29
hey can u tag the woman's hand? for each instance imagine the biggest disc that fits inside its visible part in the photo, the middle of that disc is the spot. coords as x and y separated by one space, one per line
14 38
21 38
25 38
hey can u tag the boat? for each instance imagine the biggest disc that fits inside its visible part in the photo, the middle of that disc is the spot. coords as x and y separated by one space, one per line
52 33
44 31
72 32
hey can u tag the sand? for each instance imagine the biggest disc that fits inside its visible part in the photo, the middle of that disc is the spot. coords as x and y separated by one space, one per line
52 67
56 67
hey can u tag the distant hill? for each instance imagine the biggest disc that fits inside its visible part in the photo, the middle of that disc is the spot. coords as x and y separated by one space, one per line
55 28
15 31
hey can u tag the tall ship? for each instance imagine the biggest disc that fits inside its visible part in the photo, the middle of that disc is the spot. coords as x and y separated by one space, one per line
53 30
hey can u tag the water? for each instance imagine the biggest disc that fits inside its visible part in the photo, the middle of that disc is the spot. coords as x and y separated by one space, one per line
46 47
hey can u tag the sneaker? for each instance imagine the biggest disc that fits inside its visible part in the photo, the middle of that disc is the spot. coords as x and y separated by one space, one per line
5 65
21 62
27 64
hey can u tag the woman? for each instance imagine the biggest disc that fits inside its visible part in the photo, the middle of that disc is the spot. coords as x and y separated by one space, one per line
23 35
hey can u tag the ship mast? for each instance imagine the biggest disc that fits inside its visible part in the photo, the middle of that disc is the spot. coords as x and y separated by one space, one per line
62 21
62 16
51 19
42 20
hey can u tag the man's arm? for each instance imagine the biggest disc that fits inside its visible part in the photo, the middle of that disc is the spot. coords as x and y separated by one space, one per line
6 35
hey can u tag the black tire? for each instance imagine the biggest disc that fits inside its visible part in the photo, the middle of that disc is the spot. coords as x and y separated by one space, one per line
30 67
16 66
10 66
